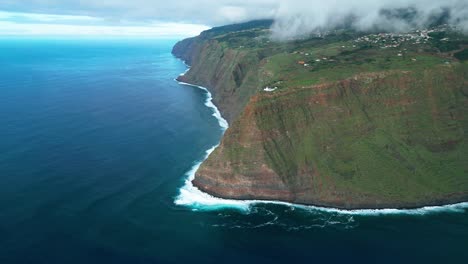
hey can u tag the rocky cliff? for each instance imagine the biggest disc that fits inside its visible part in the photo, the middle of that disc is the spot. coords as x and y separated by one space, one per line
348 126
230 74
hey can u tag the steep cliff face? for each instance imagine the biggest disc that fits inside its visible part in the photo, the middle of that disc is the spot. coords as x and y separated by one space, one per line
349 125
188 49
230 73
391 139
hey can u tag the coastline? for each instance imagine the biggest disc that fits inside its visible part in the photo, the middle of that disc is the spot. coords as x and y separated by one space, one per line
192 197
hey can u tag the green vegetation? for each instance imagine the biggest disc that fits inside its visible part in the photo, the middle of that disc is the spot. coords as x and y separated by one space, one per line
350 119
462 55
395 136
446 41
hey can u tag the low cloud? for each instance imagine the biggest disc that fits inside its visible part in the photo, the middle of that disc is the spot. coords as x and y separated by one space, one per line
207 12
34 24
294 18
297 18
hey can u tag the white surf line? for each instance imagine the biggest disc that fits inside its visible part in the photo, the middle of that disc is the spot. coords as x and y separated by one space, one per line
209 103
454 208
192 197
182 74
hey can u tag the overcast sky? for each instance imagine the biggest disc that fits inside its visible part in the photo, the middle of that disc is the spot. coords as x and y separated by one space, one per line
176 18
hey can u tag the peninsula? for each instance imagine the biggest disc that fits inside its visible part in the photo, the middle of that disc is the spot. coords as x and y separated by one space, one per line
344 119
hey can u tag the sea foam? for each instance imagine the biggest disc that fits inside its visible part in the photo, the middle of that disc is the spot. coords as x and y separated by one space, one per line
192 197
209 103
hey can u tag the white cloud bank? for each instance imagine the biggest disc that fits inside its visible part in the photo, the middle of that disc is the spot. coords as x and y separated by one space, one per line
293 17
25 24
298 17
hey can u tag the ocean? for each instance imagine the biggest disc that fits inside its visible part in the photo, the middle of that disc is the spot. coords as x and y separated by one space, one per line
97 146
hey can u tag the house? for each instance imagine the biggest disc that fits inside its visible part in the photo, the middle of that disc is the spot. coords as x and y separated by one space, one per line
268 89
301 62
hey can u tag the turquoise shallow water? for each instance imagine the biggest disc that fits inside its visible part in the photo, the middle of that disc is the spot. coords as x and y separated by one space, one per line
96 139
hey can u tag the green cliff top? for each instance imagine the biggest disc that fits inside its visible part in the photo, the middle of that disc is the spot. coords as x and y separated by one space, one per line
345 119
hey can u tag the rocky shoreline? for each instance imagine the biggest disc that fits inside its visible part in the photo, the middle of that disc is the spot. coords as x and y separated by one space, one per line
253 161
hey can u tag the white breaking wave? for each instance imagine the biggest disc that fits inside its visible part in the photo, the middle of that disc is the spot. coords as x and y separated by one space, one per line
209 103
188 69
192 197
182 74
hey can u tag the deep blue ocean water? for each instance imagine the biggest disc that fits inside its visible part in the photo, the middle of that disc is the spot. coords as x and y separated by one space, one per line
96 139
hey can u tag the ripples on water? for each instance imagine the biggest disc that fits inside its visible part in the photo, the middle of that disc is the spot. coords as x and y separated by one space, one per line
287 218
95 142
290 217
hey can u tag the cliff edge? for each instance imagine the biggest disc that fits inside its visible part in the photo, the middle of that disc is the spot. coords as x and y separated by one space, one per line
347 120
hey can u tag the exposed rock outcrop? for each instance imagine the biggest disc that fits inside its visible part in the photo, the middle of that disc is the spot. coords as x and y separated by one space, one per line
392 138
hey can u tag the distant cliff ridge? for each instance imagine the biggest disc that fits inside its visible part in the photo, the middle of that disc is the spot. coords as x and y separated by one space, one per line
231 74
351 120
